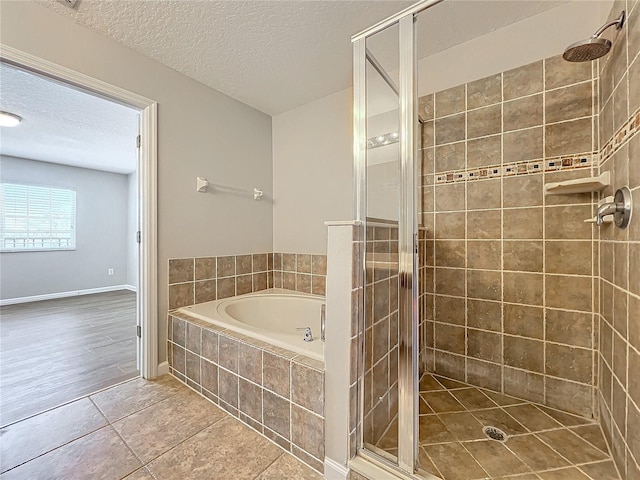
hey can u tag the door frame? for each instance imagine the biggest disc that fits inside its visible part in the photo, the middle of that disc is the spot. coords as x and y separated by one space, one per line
147 187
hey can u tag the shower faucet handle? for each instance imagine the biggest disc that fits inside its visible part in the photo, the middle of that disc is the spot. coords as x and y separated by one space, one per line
621 209
307 336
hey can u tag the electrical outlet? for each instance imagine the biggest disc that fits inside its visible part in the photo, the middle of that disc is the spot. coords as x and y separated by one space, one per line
110 271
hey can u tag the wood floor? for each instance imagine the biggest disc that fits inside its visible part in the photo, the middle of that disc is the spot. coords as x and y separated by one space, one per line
55 351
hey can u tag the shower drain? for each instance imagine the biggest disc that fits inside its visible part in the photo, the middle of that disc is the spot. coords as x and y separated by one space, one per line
495 434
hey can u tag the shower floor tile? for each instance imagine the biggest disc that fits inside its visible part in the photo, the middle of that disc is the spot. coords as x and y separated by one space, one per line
541 443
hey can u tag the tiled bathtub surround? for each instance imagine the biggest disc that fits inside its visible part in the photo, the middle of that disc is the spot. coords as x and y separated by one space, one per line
619 306
511 271
300 272
278 393
203 279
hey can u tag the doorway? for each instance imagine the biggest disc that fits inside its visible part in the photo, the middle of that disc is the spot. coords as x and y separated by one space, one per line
111 310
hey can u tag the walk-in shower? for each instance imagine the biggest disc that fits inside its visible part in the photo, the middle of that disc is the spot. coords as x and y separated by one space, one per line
499 313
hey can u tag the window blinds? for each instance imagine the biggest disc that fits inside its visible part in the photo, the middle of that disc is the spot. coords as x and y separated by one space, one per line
34 217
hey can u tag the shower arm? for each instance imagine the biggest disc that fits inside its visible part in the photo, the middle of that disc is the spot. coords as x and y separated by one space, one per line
618 22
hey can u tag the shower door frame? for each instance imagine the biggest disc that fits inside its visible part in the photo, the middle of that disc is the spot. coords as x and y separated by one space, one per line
408 321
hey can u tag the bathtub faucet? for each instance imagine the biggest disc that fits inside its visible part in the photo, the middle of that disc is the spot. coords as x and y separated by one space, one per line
307 336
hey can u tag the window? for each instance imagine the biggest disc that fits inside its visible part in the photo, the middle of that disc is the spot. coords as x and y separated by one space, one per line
34 217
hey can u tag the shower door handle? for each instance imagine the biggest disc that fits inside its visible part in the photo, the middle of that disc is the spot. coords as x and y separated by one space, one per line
323 320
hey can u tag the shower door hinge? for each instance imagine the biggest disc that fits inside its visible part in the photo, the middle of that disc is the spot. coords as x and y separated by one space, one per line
138 141
138 237
138 331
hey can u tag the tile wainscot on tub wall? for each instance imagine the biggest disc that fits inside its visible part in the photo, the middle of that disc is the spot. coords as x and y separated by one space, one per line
278 393
203 279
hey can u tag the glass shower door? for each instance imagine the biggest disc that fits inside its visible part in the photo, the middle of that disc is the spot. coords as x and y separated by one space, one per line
380 392
386 171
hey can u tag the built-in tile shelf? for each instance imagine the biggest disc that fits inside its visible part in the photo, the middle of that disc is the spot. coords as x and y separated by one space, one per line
579 185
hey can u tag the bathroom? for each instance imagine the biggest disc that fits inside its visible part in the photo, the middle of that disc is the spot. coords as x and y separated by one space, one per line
517 293
462 287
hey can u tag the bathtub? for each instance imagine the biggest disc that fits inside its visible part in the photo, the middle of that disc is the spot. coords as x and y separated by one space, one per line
271 316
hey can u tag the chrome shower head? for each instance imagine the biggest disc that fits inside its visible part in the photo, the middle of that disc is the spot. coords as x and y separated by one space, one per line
593 47
587 50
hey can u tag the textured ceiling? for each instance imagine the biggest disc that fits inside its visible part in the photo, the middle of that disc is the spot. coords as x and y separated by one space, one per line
64 125
276 55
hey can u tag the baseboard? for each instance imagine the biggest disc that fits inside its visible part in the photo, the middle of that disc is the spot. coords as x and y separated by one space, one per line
335 471
131 288
163 368
51 296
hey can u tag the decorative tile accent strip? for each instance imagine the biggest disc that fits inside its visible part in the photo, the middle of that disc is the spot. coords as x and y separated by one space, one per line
622 136
569 162
278 393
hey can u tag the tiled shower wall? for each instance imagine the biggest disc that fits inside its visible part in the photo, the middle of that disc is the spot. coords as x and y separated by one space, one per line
381 331
511 271
619 374
203 279
380 324
356 375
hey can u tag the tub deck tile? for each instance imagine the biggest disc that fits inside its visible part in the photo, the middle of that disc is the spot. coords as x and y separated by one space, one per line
309 362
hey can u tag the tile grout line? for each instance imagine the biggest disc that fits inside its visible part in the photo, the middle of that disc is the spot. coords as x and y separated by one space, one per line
59 446
561 427
269 466
145 464
229 415
68 402
462 442
466 241
240 412
109 423
544 234
502 299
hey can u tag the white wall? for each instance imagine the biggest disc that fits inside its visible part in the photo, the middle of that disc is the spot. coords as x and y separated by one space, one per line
101 229
312 146
201 132
132 228
312 172
529 40
383 191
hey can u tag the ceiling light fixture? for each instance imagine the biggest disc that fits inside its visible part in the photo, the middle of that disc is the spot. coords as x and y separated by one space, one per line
382 140
9 119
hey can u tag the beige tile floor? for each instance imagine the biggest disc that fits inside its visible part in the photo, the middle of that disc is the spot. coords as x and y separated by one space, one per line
142 430
542 443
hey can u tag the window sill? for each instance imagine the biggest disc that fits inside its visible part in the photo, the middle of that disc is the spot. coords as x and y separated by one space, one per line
25 250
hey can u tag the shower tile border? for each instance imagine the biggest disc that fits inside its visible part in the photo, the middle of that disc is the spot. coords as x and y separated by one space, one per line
553 164
628 129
